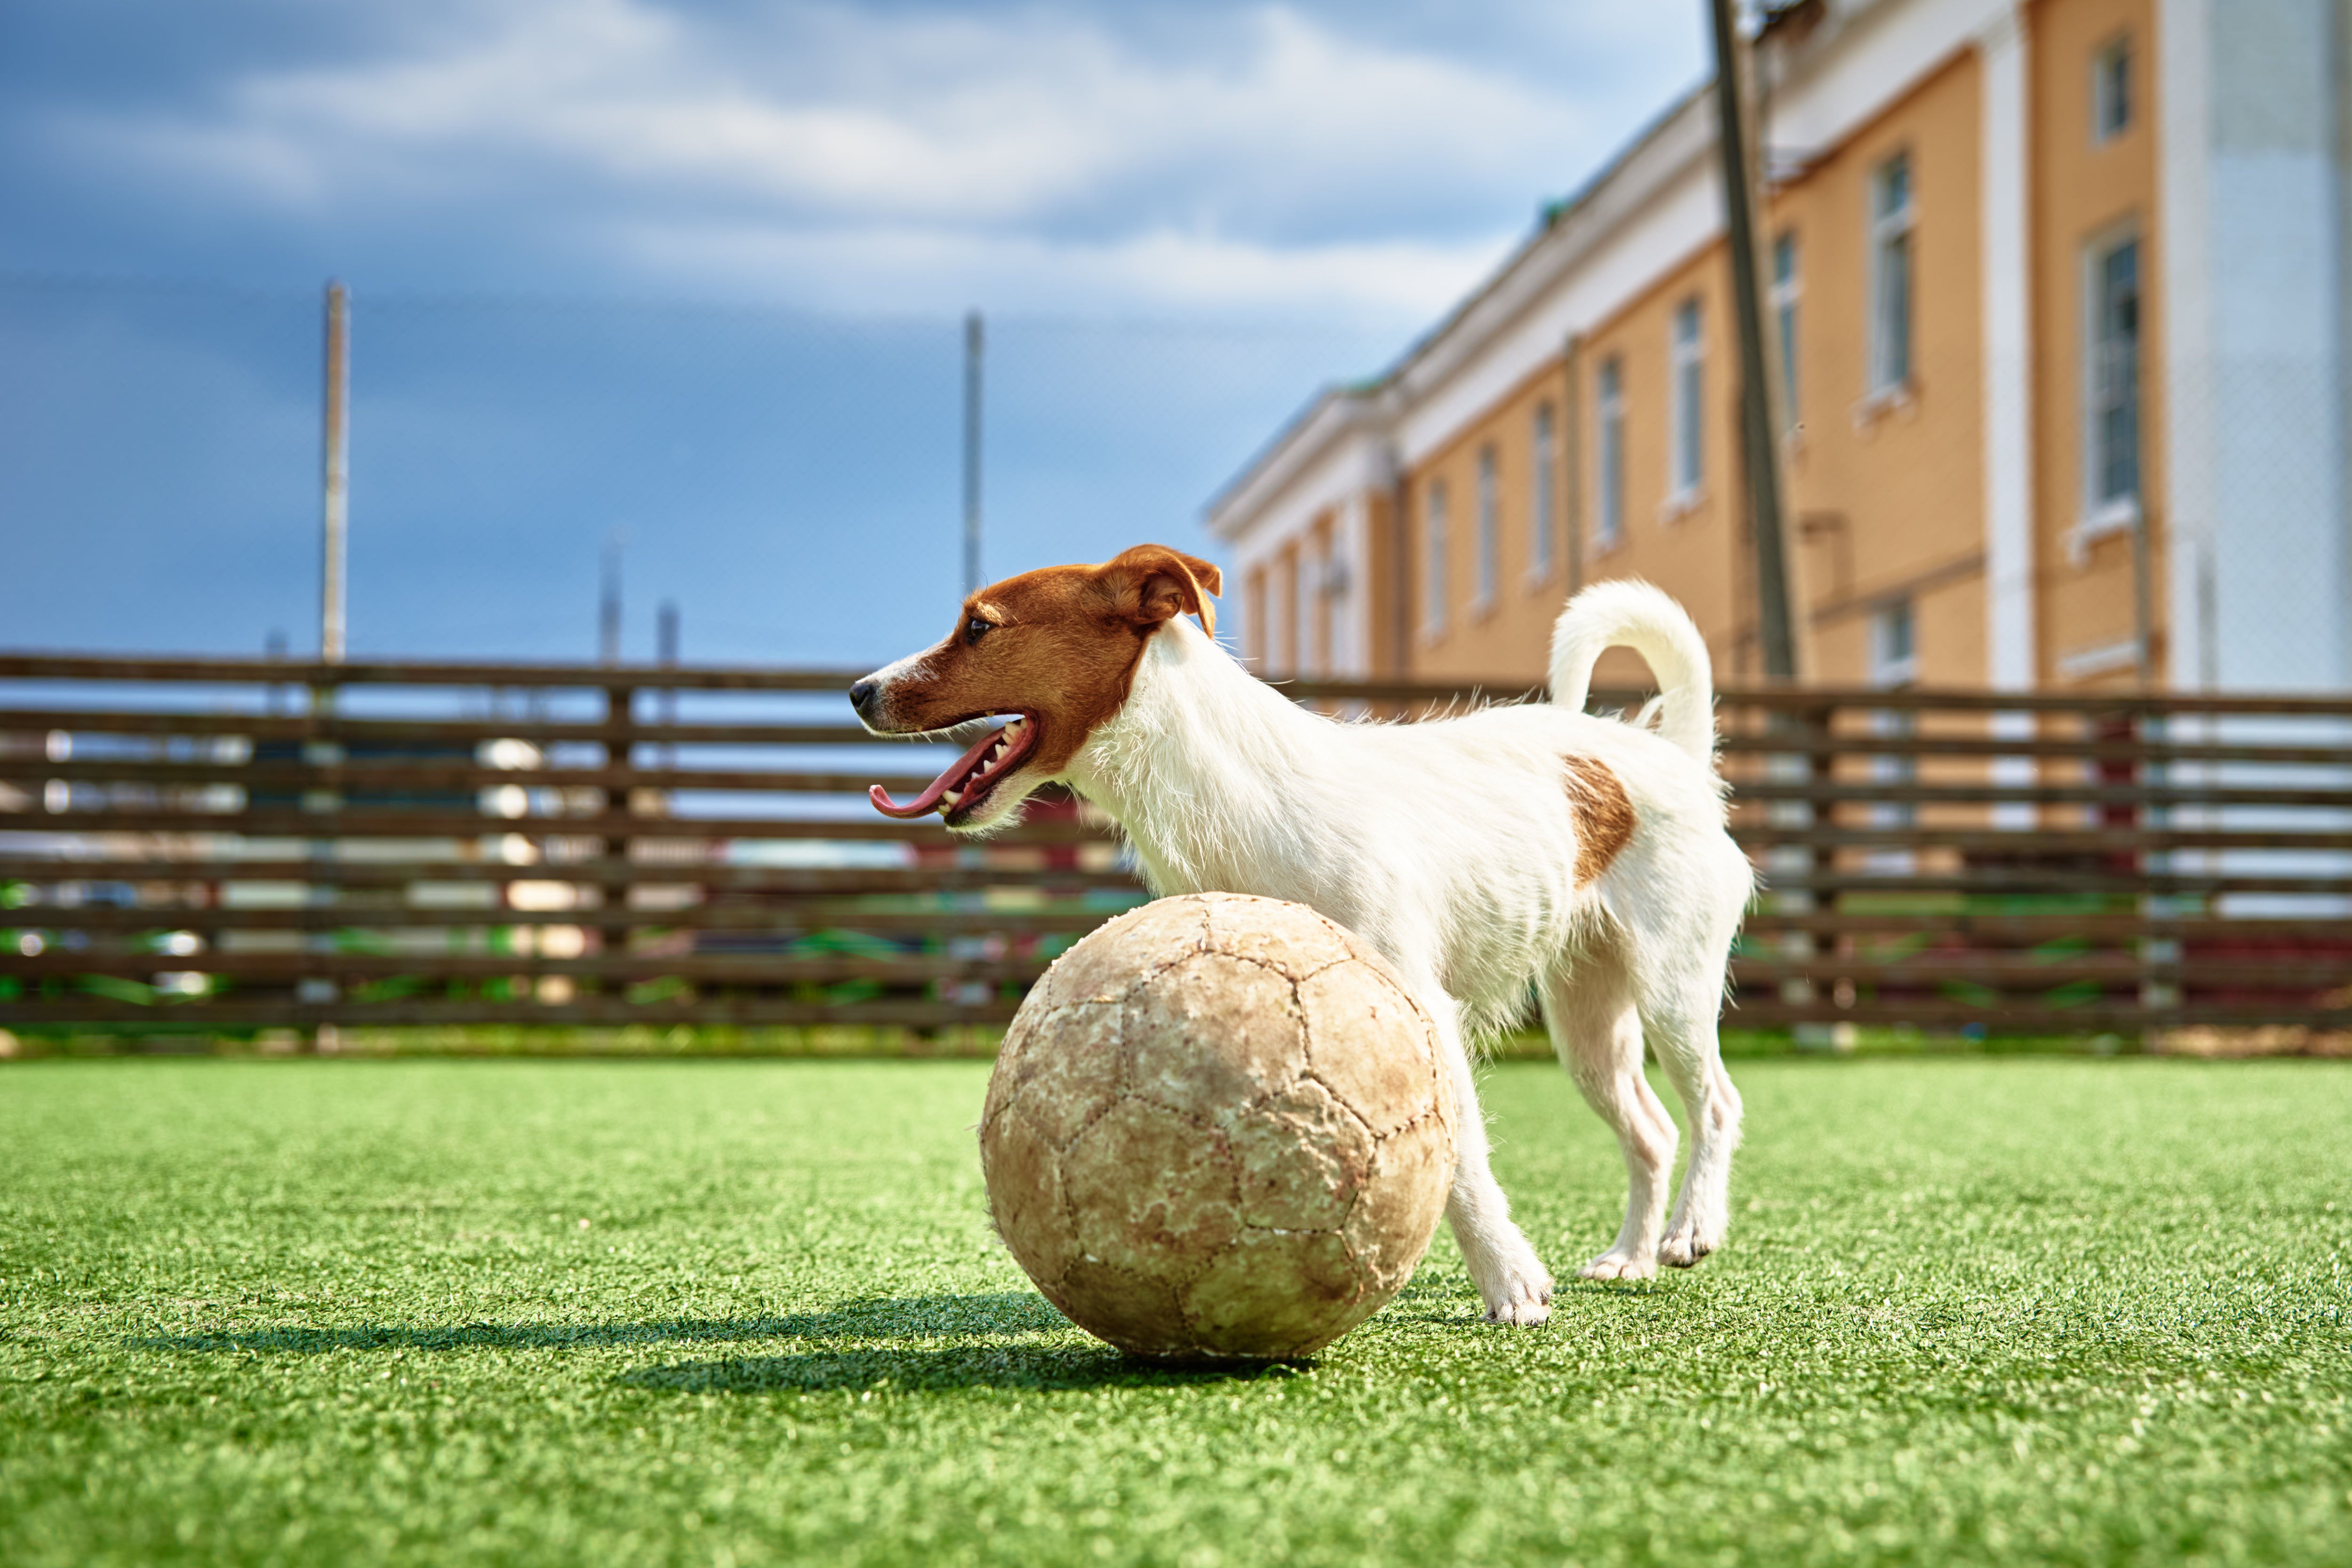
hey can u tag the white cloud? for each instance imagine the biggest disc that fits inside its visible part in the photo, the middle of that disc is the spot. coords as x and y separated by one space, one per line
1276 159
1397 282
931 117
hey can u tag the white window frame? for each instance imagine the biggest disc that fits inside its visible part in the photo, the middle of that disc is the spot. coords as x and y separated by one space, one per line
1894 664
1310 590
1543 490
2101 513
1609 454
1433 563
1338 615
1488 566
1894 643
1889 229
2111 90
1686 405
1788 298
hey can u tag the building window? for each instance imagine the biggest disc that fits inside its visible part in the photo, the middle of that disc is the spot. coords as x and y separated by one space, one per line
1608 452
1489 530
1334 648
1541 523
1786 289
1894 646
1687 422
1308 617
1893 662
2111 444
1433 577
2111 106
1891 222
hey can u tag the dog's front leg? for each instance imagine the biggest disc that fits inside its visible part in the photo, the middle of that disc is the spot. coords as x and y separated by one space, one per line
1509 1276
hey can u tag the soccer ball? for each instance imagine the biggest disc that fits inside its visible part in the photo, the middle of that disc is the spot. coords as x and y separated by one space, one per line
1219 1127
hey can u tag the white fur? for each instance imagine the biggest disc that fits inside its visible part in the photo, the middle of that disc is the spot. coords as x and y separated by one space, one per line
1450 846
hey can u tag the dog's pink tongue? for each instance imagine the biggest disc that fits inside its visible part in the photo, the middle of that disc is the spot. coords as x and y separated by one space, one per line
927 802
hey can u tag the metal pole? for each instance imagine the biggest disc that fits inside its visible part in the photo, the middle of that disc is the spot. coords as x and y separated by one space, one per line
608 602
1758 433
337 474
973 342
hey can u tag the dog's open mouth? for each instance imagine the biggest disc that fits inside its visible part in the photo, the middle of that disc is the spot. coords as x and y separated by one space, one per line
956 793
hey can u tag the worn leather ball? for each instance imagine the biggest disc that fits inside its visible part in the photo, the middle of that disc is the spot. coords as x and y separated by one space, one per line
1219 1128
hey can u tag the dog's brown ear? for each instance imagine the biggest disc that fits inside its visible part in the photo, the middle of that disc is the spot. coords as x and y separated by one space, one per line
1151 584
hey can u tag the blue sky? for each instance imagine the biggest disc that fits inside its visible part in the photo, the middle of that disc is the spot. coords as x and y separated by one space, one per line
692 272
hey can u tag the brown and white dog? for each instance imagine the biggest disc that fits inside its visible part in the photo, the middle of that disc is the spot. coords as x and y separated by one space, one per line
1521 846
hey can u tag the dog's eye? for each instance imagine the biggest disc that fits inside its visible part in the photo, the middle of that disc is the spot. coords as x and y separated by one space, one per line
975 628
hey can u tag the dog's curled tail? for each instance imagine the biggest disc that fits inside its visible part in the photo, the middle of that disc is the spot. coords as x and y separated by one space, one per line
1629 613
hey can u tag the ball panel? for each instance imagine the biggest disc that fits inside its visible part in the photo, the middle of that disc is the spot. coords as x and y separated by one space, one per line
1109 959
1062 1088
1209 1035
1368 1041
1140 1316
1289 938
1396 1217
1278 1293
1150 1192
1303 1156
1024 1196
1015 1062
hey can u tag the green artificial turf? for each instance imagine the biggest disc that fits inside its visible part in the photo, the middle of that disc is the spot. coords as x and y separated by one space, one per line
743 1312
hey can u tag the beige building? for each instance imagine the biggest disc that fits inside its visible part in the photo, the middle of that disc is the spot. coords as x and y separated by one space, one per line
2060 294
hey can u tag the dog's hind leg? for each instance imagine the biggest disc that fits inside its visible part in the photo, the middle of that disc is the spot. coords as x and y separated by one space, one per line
1597 1033
1681 1025
1511 1280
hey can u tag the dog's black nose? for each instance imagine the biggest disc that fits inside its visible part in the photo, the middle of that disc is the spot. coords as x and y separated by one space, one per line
862 695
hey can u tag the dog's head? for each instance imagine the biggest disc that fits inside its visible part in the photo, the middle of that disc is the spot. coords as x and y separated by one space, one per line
1053 652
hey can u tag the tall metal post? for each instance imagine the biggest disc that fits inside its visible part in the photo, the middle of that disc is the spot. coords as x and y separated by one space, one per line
665 654
336 474
973 339
608 602
1759 431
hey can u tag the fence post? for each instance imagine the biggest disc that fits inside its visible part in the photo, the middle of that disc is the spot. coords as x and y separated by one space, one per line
613 931
1819 769
318 984
2158 995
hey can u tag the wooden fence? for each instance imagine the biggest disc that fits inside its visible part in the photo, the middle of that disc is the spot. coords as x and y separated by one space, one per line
232 845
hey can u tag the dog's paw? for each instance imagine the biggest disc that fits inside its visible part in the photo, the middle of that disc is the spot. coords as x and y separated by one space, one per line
1525 1302
1687 1241
1615 1264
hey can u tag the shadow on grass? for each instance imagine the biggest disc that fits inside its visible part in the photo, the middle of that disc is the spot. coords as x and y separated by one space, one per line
930 1371
909 1317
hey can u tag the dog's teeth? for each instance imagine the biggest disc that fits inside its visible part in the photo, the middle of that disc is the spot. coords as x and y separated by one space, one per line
953 797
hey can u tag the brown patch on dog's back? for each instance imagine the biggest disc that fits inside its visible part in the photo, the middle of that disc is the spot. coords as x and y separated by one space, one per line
1604 815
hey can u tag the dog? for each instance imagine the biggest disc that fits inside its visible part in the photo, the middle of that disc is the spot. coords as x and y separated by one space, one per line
1518 846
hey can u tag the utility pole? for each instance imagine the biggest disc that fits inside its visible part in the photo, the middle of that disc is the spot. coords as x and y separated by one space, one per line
972 345
337 474
1759 431
608 601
